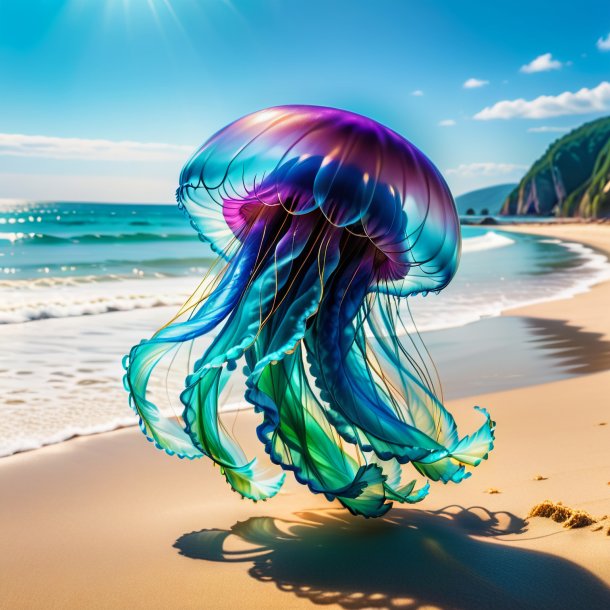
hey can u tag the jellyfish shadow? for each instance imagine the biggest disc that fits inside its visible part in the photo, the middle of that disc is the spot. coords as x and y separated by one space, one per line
410 559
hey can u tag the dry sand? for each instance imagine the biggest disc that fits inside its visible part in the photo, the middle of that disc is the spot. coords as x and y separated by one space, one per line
109 522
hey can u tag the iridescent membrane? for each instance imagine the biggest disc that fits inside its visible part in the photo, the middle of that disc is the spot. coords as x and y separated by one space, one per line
325 220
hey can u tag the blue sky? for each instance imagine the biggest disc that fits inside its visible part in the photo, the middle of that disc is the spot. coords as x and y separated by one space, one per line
104 99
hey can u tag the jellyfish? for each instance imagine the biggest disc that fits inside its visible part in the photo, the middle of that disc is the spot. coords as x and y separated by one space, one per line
324 222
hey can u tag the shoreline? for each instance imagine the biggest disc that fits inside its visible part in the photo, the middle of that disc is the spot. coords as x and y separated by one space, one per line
478 322
596 236
107 520
521 221
568 230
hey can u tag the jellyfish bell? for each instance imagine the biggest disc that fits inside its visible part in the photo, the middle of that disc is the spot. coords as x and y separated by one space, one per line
357 173
323 219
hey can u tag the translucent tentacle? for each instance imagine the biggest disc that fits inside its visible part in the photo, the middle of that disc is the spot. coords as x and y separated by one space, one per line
247 477
166 433
294 430
411 425
346 379
242 332
297 436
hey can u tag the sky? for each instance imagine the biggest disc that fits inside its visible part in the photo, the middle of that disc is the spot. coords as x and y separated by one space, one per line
104 100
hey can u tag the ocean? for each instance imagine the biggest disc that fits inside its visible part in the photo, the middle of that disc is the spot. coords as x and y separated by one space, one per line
81 283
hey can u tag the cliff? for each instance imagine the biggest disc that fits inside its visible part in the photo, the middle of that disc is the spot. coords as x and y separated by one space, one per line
572 178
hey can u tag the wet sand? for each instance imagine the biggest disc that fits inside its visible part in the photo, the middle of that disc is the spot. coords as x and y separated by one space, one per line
107 521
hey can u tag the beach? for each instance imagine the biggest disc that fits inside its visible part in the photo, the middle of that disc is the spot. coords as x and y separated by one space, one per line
304 304
107 521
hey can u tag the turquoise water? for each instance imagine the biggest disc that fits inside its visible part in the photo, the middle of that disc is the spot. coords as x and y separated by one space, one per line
54 245
105 240
58 240
68 259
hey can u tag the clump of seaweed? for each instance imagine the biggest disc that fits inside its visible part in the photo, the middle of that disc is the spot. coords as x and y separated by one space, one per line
579 518
570 517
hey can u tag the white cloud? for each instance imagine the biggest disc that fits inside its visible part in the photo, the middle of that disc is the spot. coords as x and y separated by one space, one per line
603 43
542 63
447 123
471 176
417 93
475 83
158 187
583 101
19 145
549 129
485 169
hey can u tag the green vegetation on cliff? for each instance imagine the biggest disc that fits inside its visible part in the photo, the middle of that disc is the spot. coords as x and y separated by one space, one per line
572 178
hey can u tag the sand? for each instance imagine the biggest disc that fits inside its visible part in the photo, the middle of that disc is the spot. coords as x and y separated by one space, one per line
107 521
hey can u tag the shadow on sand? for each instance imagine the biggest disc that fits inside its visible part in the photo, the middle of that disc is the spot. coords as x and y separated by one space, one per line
570 348
409 559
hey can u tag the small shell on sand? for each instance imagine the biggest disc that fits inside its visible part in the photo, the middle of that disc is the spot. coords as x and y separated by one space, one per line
539 477
492 490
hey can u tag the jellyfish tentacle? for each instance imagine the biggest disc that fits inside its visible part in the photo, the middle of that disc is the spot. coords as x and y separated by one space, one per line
345 377
242 332
425 410
297 436
431 416
166 433
430 440
294 430
247 477
359 487
395 489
